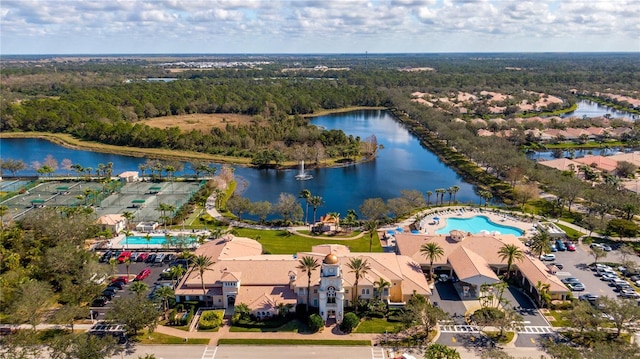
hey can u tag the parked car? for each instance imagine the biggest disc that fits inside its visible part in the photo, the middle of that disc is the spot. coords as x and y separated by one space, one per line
106 256
560 266
116 285
134 256
561 247
124 256
578 287
159 258
169 258
553 247
151 258
109 294
143 274
595 245
548 257
570 246
142 257
629 293
608 276
570 280
588 297
124 279
99 301
606 247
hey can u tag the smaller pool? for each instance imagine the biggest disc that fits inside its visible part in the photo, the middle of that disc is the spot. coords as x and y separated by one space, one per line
478 224
154 240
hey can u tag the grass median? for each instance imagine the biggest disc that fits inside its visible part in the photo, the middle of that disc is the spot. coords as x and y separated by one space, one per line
294 342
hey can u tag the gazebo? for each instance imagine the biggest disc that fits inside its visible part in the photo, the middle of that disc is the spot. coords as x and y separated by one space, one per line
138 202
38 202
155 189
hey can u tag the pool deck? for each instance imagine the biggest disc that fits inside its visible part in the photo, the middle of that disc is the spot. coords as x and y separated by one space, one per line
443 213
120 243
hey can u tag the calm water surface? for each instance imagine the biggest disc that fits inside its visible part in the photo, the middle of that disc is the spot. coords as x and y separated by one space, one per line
402 164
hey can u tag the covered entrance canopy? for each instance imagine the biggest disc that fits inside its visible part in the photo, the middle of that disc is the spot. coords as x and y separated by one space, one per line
154 189
138 202
471 268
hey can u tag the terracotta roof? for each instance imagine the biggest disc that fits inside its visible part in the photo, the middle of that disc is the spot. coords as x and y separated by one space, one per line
602 163
470 267
230 276
562 164
265 297
110 219
126 174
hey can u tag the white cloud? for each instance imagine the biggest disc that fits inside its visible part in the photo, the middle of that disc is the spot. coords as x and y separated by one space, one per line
319 25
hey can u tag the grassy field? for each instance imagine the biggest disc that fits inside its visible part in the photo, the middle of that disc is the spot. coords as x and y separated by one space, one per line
295 342
159 338
281 242
293 326
377 325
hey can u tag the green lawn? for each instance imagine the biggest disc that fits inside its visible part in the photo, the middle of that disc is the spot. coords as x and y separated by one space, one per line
571 233
280 242
294 326
159 338
377 325
295 342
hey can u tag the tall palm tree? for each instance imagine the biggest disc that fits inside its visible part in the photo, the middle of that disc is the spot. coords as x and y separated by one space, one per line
450 191
148 238
381 284
431 251
139 288
440 193
359 267
306 195
201 264
510 253
486 195
454 190
308 264
540 244
129 216
336 218
371 226
429 194
175 273
164 293
127 263
315 201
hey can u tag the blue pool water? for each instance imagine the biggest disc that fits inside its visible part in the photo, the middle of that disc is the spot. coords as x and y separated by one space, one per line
154 240
476 225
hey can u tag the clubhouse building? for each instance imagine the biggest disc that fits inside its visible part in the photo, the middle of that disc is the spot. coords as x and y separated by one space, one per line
242 274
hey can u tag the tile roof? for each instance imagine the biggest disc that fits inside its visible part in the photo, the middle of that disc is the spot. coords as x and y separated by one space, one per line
469 266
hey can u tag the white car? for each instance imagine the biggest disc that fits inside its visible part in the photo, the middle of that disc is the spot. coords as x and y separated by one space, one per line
548 257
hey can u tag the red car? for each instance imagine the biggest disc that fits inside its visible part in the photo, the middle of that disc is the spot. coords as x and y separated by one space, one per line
124 279
143 274
570 246
124 256
142 257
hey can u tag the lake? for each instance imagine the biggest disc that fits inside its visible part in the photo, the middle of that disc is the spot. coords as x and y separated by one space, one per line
402 164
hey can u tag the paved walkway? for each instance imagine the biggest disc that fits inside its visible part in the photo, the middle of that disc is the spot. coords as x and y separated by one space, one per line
329 332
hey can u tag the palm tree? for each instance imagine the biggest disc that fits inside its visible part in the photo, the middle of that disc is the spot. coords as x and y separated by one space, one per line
139 288
175 273
371 226
431 251
540 244
113 263
127 263
127 233
315 201
358 267
128 215
148 238
350 218
202 263
306 195
450 191
510 253
454 190
486 195
543 293
440 193
308 264
164 293
336 218
429 194
381 284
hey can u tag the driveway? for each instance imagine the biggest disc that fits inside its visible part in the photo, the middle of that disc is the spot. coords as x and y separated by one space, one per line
446 297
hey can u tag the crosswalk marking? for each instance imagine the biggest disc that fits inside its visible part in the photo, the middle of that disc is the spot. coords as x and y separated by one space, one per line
209 353
531 329
535 330
377 353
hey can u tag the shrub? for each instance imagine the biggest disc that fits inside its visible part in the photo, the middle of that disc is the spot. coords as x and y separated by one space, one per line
315 323
349 323
210 319
189 317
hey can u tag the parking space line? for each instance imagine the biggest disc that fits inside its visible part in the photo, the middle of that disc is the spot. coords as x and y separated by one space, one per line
377 353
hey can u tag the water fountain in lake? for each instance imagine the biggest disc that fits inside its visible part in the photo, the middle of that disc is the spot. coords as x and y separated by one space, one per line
303 176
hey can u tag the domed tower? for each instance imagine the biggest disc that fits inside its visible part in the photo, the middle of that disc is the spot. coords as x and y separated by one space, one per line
331 292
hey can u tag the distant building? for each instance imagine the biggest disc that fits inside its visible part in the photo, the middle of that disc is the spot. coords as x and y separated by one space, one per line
112 222
129 176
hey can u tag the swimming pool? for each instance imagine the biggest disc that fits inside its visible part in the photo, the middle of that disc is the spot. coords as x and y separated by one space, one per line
478 224
154 240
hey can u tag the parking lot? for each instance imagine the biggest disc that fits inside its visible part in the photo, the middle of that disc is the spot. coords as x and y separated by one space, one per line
134 269
576 264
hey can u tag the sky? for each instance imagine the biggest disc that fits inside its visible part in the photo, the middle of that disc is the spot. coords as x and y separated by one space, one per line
317 26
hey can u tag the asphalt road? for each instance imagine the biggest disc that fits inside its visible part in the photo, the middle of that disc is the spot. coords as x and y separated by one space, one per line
252 352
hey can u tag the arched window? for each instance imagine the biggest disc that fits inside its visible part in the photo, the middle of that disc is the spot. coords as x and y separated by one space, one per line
331 295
